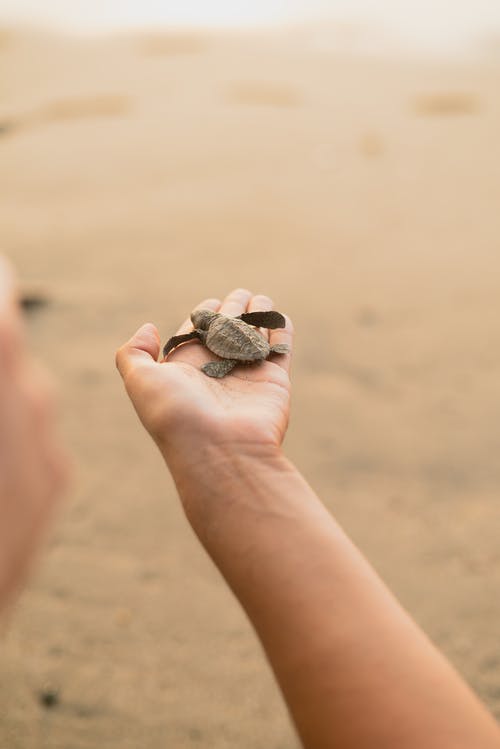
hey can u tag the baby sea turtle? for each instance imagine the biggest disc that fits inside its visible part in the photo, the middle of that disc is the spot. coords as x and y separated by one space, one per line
232 338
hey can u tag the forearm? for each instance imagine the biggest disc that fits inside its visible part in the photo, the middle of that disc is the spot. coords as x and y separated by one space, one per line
354 669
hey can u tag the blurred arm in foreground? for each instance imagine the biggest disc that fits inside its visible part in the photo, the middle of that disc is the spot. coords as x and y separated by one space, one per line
355 670
32 465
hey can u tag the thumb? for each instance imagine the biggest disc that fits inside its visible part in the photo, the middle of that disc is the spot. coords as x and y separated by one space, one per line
144 346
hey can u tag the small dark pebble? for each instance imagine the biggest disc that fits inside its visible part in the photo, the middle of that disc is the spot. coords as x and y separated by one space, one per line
31 303
49 696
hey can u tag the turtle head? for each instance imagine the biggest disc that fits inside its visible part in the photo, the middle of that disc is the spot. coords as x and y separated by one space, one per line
201 318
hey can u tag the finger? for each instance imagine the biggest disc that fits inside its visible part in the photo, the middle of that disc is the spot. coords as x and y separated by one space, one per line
236 302
261 303
187 325
282 335
144 346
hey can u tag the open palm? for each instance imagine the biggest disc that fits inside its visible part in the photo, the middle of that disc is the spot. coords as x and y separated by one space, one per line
181 407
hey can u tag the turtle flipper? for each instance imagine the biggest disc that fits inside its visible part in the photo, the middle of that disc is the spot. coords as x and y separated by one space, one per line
177 339
219 368
269 319
280 348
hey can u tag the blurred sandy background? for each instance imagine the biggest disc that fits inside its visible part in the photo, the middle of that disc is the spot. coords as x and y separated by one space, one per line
142 172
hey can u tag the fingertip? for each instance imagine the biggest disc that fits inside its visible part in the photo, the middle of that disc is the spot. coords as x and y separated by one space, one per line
211 303
149 329
145 343
146 339
236 302
260 302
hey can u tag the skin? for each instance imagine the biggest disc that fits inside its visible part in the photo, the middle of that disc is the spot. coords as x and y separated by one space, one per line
354 669
33 466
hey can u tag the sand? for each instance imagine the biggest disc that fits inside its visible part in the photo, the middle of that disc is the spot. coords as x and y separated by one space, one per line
142 173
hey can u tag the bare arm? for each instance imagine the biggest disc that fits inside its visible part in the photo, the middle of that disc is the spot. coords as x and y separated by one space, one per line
354 669
33 467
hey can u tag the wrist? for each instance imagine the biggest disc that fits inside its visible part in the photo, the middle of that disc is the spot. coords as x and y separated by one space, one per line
208 457
213 479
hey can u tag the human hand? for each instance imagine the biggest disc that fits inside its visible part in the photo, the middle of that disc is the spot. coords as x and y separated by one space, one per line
184 410
33 468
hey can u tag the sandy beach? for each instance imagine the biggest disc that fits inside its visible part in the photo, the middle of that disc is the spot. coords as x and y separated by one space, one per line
142 173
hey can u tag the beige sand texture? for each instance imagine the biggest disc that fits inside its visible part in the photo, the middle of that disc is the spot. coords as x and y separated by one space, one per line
140 174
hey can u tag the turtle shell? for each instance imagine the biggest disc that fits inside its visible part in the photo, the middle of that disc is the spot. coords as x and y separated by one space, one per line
231 338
